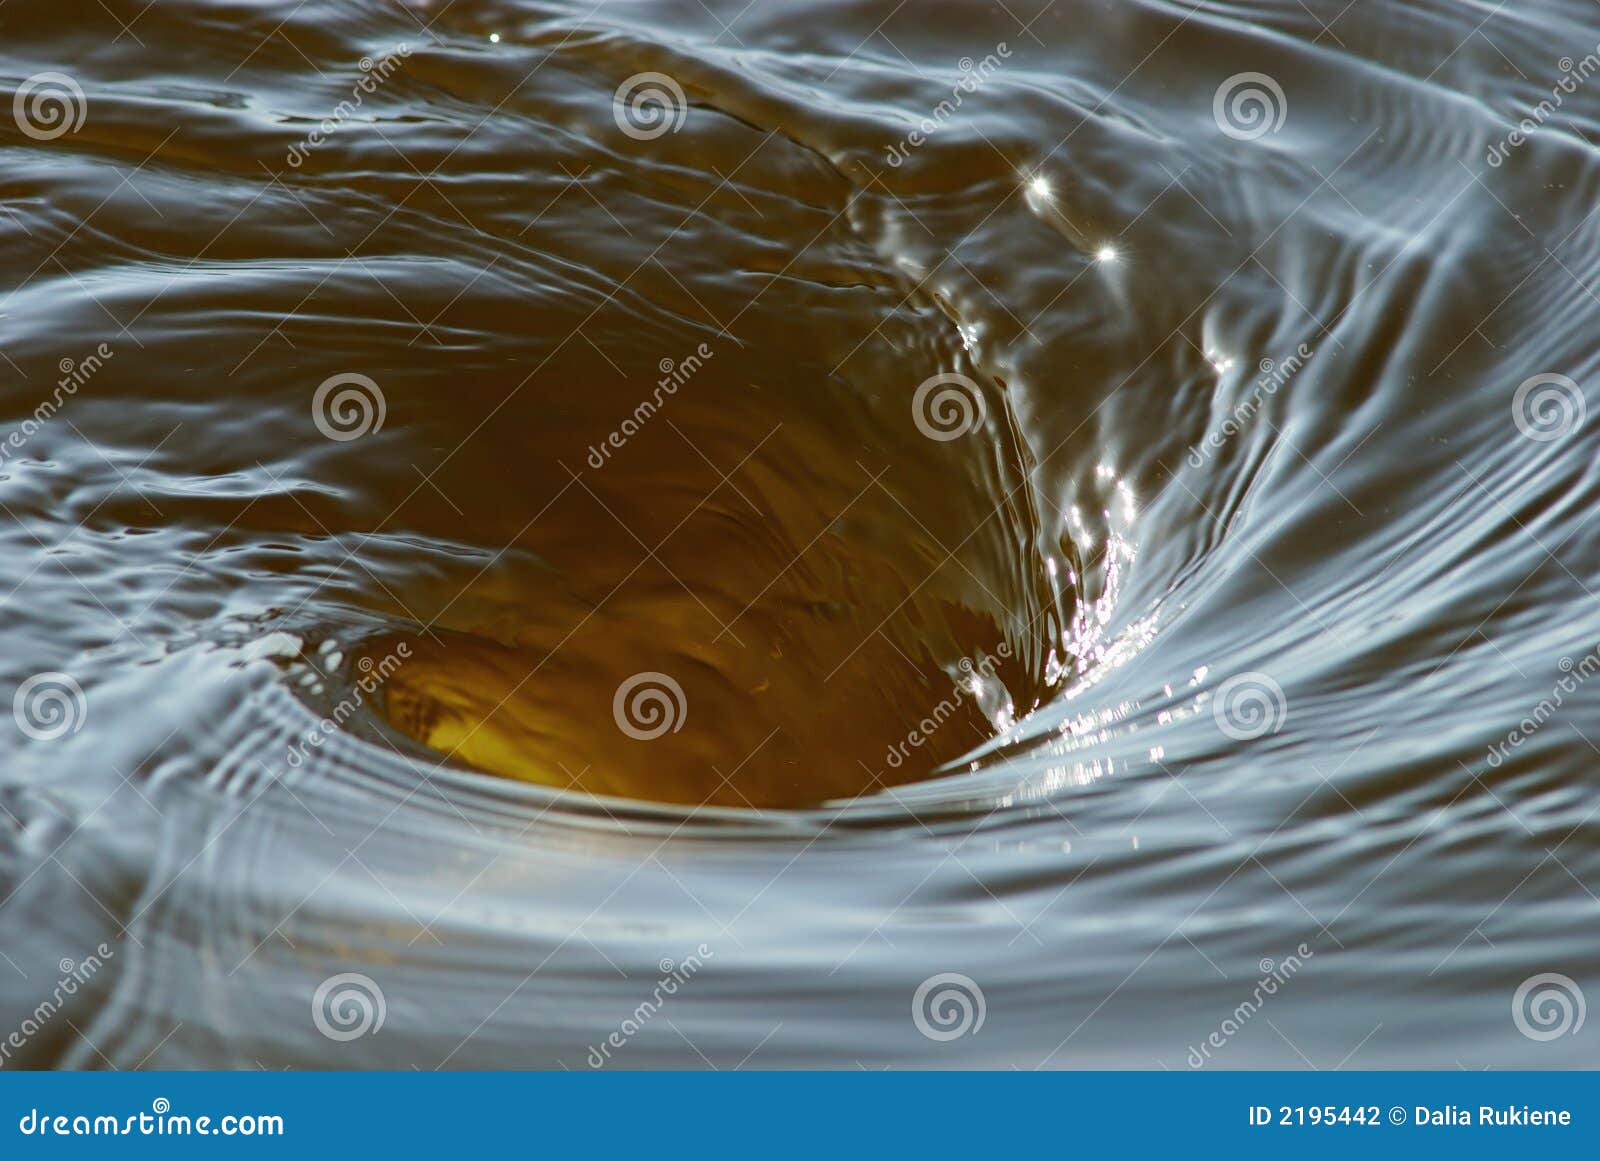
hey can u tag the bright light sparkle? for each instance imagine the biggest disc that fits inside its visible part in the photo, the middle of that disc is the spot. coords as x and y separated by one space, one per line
1106 254
1040 186
494 38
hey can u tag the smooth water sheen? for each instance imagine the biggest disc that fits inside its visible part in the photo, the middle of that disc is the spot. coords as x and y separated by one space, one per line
977 535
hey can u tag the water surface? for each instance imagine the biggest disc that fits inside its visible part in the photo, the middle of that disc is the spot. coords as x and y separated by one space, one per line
957 535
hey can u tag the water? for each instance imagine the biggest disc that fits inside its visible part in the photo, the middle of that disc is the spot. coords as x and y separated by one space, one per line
1105 533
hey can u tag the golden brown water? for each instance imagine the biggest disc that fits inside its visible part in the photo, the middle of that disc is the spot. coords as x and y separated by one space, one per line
1090 498
790 592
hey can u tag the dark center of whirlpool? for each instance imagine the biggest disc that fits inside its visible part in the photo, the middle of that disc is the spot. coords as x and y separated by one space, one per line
774 590
737 548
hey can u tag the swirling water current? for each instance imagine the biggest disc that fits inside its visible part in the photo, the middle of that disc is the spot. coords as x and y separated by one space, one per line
799 534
